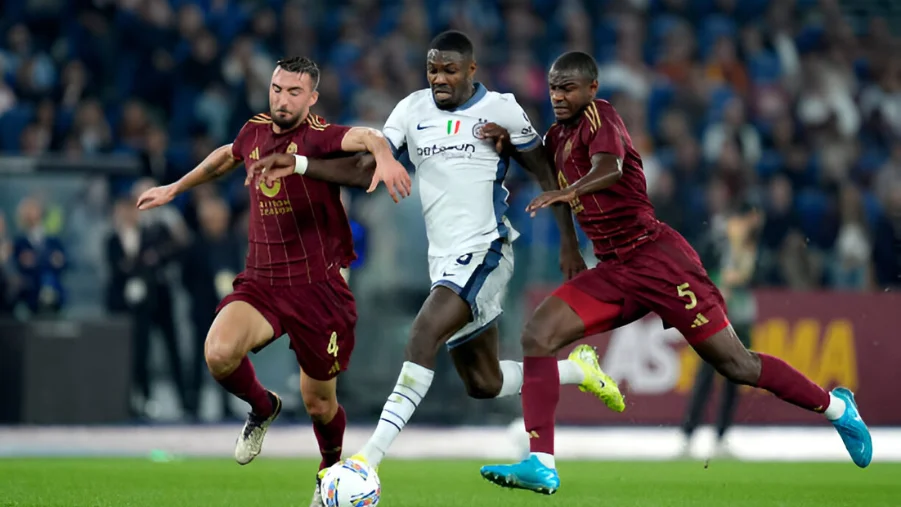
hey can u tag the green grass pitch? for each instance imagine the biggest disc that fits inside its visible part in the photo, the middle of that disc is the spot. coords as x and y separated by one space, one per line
275 483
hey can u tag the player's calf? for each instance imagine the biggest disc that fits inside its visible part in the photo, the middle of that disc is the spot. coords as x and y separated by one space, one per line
238 328
482 385
329 420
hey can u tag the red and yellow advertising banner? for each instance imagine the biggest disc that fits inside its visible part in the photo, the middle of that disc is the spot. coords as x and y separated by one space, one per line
835 338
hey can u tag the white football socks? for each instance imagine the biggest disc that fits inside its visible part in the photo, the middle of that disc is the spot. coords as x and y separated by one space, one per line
836 408
570 374
546 459
412 385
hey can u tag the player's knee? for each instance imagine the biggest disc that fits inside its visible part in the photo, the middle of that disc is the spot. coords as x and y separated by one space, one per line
538 338
741 369
422 349
320 408
483 387
223 353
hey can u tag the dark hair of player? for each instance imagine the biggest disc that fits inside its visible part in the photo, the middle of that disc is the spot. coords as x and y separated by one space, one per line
453 41
577 64
301 65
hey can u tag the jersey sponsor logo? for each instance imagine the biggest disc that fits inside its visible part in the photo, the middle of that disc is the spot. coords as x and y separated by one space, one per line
420 126
464 150
453 127
477 128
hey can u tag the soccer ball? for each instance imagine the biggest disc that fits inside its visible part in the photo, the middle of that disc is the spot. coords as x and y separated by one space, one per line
350 483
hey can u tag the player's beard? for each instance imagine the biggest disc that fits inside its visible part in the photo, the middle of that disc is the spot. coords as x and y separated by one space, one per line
289 122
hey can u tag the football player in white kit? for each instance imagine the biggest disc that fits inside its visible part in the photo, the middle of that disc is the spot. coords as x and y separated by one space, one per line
461 181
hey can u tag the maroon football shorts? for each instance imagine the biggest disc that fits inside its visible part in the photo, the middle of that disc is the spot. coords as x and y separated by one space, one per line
664 276
318 317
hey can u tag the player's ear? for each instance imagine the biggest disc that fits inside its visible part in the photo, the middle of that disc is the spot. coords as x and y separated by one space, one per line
593 87
314 98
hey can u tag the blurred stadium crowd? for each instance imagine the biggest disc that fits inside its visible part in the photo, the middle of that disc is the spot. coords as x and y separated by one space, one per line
793 104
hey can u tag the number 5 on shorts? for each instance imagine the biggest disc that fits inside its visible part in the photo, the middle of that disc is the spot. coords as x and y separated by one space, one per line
684 292
333 345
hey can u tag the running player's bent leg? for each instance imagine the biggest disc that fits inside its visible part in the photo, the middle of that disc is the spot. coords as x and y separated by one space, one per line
726 353
554 325
478 365
320 399
667 277
442 315
485 376
238 329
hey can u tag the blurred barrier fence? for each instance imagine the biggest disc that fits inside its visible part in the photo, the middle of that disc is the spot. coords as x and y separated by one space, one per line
835 338
65 372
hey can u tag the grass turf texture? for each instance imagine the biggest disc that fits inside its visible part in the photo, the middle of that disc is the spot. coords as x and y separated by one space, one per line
274 483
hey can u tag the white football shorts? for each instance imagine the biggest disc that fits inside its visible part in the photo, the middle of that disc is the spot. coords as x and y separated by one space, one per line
481 279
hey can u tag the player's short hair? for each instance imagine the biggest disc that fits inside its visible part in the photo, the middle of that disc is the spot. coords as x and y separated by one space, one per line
301 65
453 40
579 63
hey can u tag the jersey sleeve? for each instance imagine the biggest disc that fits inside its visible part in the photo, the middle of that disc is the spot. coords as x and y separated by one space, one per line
395 130
326 138
603 132
512 117
240 140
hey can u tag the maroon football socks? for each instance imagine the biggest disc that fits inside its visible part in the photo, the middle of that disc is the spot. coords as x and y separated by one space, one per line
244 384
779 378
331 437
540 394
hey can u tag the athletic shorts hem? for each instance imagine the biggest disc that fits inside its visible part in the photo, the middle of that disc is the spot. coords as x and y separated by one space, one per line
460 340
700 337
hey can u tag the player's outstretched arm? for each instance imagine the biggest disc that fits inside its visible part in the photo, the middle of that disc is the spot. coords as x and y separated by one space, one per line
387 169
351 171
218 163
536 161
606 169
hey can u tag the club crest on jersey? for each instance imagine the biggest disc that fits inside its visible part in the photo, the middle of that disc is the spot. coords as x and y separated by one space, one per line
292 148
477 128
270 191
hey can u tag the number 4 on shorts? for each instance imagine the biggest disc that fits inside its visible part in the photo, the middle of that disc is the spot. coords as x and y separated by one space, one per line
333 345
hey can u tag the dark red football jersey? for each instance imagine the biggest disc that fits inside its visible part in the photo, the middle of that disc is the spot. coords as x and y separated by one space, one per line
618 217
299 232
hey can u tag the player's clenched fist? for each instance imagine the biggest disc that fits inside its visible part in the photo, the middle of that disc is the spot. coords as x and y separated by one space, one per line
157 196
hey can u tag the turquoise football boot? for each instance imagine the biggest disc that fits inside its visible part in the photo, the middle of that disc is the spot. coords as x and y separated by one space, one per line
853 430
528 474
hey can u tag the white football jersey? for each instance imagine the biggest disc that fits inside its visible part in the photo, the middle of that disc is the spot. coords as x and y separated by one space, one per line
461 176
